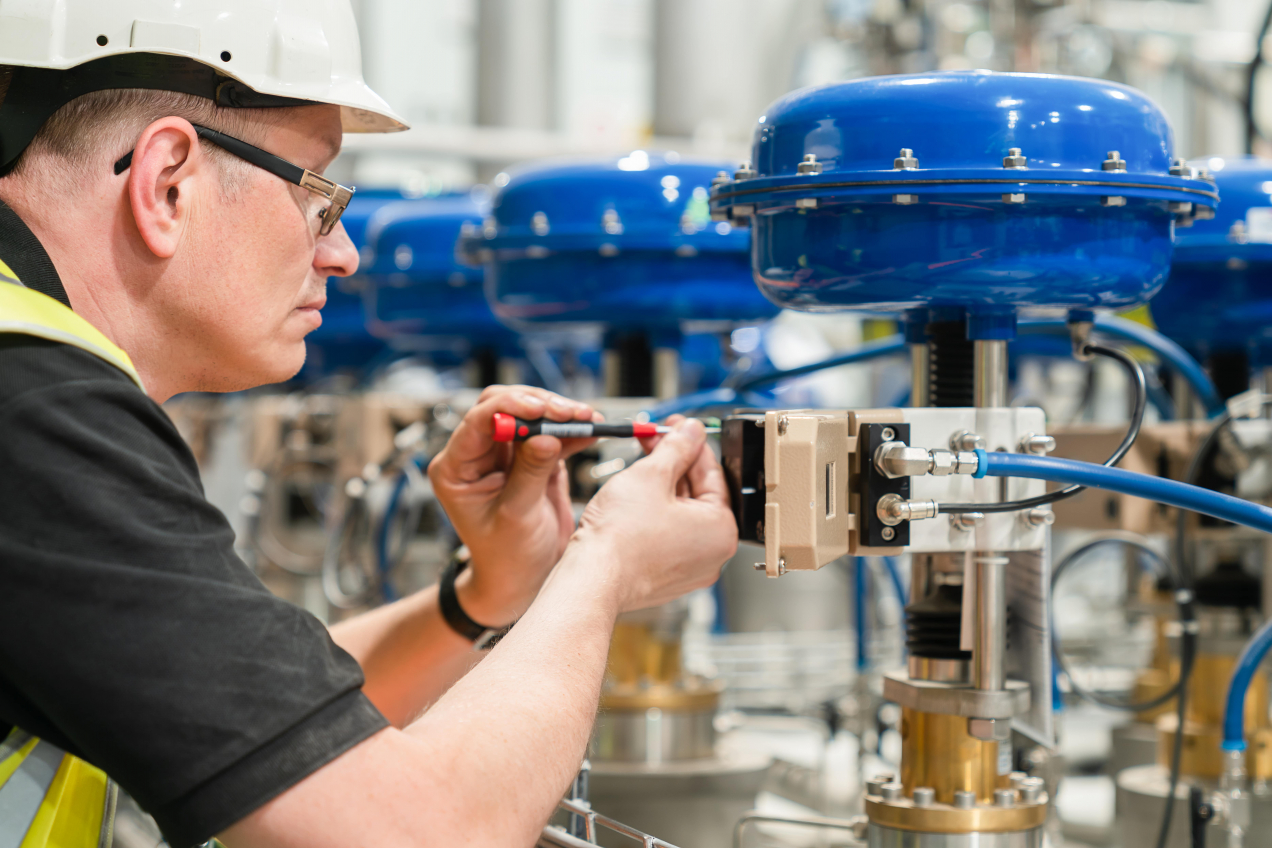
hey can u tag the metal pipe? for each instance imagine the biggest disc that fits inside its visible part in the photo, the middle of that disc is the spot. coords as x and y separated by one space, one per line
990 364
920 376
989 628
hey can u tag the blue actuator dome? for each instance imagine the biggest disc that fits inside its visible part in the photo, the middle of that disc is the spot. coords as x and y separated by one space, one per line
1219 296
987 191
416 286
625 243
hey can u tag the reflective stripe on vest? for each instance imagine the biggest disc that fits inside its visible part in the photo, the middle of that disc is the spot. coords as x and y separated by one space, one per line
48 798
31 313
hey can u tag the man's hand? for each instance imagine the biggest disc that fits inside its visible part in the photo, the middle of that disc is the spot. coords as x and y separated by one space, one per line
510 503
665 521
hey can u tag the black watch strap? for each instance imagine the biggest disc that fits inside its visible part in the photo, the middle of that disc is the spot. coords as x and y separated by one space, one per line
482 636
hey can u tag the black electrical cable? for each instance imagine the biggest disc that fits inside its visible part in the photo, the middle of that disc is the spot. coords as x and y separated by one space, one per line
1058 654
1132 433
1252 73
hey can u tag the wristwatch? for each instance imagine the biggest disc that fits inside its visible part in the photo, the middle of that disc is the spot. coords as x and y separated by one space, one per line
483 638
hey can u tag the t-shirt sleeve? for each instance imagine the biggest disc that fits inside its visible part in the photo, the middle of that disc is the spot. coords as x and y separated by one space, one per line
130 632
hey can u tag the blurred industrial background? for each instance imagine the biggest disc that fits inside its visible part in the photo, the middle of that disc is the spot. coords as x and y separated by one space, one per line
487 83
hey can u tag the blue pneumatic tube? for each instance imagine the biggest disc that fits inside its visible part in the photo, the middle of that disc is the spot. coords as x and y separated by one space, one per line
1182 495
1234 707
870 350
1169 352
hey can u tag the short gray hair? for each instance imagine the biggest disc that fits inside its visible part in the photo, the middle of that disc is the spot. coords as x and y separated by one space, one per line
95 129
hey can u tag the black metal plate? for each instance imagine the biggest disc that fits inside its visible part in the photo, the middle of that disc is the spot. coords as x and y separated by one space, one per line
873 485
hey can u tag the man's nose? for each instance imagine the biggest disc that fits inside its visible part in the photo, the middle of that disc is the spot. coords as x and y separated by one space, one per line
335 254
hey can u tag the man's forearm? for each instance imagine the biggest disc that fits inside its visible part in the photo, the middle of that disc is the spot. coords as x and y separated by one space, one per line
408 652
516 728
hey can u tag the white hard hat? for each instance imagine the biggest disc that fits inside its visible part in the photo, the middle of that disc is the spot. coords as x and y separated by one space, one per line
236 52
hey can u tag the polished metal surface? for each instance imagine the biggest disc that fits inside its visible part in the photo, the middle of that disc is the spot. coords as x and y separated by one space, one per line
938 670
653 736
887 837
693 804
953 699
989 635
990 370
1141 796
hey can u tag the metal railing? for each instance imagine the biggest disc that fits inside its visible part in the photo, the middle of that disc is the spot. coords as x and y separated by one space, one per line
556 837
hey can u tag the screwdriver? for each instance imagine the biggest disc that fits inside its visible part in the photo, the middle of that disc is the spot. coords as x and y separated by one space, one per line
508 428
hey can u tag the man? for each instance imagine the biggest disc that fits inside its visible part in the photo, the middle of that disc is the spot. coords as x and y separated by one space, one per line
163 229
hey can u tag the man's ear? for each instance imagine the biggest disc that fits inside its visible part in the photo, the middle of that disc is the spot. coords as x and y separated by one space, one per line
168 168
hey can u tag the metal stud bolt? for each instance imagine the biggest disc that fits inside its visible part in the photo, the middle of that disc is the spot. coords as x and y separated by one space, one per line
1039 517
966 521
906 161
966 440
744 172
810 165
1031 789
1013 159
924 796
721 178
1004 797
1179 168
1037 445
1114 163
964 800
782 423
891 791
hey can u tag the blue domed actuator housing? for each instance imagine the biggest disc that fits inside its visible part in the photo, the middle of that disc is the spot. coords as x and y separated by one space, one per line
1219 296
417 290
623 243
972 189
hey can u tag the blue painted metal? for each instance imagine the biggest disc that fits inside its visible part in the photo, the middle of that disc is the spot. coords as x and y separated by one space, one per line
417 292
1219 297
857 232
622 243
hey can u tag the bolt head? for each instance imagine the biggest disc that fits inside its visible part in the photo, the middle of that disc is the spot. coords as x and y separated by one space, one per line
966 521
888 434
964 800
888 534
965 440
781 565
1004 797
924 796
761 566
782 423
891 791
1040 517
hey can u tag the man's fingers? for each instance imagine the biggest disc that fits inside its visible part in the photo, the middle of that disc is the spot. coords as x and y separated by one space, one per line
470 446
535 461
648 443
706 479
678 449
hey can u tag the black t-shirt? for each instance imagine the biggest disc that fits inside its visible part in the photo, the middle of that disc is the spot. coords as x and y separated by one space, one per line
131 635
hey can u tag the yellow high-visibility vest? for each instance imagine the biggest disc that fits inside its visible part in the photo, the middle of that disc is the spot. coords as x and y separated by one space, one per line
49 798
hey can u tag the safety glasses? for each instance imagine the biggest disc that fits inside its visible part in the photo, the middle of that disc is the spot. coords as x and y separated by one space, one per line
336 196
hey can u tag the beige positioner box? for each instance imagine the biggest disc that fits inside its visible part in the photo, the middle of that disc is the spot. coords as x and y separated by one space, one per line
806 515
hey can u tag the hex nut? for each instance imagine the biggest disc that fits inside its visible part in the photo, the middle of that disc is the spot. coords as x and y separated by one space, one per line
966 440
964 800
924 796
1014 198
1014 159
905 199
1113 200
